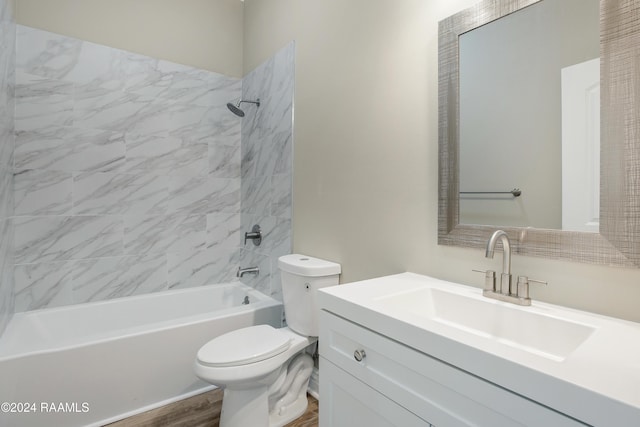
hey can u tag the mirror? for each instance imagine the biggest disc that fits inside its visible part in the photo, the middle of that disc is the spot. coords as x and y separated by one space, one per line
609 221
527 64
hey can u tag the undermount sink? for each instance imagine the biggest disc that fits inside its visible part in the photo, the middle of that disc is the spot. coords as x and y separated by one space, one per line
544 335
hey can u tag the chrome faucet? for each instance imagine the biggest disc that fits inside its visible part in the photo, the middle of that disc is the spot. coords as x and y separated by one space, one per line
250 270
505 291
255 234
505 277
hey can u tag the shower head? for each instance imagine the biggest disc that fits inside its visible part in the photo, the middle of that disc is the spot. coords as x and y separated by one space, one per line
235 109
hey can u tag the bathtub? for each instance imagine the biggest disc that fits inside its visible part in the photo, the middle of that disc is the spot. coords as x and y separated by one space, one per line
95 363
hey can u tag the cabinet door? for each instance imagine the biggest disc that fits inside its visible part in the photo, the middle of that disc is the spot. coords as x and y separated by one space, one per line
348 402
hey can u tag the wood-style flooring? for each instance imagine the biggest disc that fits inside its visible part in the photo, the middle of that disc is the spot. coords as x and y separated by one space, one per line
202 410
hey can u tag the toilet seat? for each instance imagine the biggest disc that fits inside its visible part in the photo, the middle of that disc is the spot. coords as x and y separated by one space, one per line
244 346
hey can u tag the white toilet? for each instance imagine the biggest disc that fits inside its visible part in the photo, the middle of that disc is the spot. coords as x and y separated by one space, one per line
265 371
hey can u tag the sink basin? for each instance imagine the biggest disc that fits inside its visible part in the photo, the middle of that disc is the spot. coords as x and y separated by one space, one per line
538 333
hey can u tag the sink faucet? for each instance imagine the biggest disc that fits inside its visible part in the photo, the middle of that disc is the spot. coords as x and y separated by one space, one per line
518 294
505 278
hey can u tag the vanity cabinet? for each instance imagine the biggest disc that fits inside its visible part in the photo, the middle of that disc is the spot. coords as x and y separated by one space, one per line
396 385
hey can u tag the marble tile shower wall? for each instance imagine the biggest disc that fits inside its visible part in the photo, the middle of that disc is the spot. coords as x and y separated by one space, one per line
267 151
7 144
127 173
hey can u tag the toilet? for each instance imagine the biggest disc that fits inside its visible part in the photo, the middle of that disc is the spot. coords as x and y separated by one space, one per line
265 371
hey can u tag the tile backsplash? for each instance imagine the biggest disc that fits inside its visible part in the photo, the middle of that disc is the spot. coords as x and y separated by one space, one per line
131 175
7 147
266 167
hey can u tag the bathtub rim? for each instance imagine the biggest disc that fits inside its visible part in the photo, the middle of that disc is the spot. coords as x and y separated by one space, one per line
263 301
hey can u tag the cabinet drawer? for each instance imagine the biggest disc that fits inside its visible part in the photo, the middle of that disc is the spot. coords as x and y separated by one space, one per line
348 402
431 389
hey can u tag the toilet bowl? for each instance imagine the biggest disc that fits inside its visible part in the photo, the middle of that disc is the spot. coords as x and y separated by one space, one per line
265 371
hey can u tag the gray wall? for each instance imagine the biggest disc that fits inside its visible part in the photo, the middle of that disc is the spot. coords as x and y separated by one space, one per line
203 34
366 148
7 142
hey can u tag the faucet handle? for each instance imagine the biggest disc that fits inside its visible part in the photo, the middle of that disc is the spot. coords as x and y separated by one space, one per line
523 286
489 279
255 234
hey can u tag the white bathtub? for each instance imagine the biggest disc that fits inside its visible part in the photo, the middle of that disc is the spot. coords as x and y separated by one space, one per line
96 363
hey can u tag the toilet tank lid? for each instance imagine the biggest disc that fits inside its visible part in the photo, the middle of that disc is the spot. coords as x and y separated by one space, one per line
304 265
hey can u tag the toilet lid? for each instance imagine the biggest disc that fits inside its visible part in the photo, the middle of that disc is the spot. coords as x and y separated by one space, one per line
244 346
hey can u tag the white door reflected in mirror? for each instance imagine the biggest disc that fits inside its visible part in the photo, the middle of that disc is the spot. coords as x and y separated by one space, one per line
581 147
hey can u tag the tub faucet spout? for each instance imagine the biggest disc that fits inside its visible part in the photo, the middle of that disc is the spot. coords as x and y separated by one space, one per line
250 270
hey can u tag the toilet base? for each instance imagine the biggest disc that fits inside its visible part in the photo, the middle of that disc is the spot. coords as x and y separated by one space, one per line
294 411
242 408
270 406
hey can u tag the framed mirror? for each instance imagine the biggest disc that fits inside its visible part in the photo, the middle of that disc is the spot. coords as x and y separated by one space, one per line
612 214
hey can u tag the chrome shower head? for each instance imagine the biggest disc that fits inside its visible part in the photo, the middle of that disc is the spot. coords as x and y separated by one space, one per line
235 109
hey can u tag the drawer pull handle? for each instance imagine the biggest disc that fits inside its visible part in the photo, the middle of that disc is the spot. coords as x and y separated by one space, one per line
359 355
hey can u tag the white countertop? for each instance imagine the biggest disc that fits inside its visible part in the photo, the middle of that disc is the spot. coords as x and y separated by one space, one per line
597 383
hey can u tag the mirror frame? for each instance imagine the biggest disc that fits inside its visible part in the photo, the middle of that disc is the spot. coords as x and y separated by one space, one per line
618 242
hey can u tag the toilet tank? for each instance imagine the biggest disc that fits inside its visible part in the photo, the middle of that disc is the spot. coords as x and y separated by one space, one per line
302 276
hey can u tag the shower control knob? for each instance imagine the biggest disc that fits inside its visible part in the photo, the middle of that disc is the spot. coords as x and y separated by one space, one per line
359 355
255 234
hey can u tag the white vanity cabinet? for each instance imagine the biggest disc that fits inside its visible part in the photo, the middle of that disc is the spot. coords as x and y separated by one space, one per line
396 385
